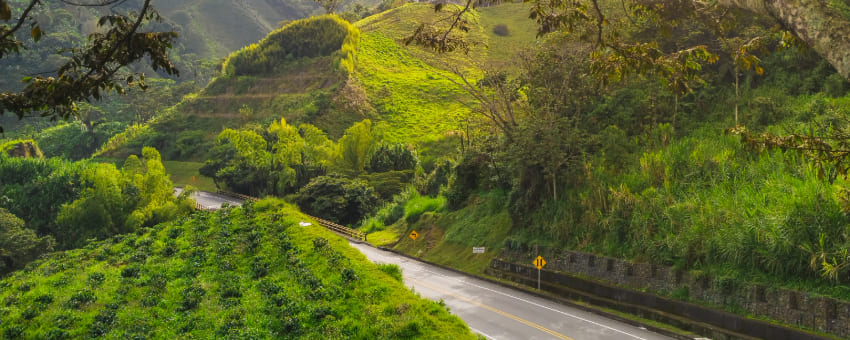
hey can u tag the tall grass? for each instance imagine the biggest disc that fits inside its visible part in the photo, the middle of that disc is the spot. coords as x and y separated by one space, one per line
701 202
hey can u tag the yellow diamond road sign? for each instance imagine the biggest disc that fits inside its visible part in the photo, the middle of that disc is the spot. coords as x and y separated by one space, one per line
414 235
539 262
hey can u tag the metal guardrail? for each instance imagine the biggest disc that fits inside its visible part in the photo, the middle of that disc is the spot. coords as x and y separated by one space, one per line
200 207
233 194
353 233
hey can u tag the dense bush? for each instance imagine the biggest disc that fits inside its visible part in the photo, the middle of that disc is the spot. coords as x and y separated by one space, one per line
501 30
19 245
308 38
338 199
392 157
71 141
75 201
119 201
706 202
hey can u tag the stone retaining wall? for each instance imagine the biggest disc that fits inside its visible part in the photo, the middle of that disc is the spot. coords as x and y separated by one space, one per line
792 307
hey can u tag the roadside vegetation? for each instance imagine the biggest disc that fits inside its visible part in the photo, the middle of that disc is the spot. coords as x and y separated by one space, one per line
51 204
635 171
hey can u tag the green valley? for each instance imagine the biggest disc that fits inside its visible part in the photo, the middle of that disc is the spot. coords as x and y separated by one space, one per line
707 141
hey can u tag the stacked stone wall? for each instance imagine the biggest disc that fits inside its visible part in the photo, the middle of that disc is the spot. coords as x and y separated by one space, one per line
788 306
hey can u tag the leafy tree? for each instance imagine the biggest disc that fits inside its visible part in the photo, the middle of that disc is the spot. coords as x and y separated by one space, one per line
551 144
318 149
392 157
276 161
19 245
617 51
286 153
101 209
337 198
120 201
497 97
91 71
354 148
248 171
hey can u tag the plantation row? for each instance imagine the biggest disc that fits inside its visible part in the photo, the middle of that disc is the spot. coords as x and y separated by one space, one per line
245 273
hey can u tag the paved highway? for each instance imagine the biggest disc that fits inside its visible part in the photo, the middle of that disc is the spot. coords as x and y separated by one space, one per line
497 312
211 200
491 310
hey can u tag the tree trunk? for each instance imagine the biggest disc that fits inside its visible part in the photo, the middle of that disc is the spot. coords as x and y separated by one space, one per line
737 97
554 187
824 30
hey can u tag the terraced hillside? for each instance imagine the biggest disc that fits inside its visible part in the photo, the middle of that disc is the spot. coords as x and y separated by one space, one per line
297 72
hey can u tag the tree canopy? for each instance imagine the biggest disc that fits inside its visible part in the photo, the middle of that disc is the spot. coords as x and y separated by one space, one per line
618 49
88 72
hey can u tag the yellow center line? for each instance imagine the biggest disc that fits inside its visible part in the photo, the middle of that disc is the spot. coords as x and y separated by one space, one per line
524 321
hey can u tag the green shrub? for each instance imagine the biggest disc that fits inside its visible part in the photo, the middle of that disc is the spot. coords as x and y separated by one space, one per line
393 270
80 299
191 297
392 157
339 199
836 85
501 30
20 245
416 206
327 34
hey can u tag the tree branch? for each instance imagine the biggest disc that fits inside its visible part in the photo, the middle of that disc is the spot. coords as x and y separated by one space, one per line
20 21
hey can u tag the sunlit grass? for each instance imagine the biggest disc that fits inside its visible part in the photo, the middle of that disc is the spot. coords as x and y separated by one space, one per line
186 173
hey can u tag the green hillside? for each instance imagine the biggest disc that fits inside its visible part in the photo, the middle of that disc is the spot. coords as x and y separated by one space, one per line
248 272
403 88
407 84
297 73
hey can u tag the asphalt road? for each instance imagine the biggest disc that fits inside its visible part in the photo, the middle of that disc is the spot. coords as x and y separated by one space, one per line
497 312
211 200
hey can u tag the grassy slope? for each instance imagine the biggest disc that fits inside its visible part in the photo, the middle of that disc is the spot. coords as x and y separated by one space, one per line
240 273
186 173
296 91
448 237
407 84
672 199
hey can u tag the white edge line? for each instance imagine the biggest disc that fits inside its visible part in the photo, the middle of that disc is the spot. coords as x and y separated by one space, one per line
536 304
482 333
523 300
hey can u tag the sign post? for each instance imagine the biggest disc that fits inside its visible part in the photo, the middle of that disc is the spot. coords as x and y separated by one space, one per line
414 235
478 250
539 262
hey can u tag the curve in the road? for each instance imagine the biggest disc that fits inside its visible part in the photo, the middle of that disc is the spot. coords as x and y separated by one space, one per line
497 312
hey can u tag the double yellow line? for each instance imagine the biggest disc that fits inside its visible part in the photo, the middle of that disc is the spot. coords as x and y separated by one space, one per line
496 310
